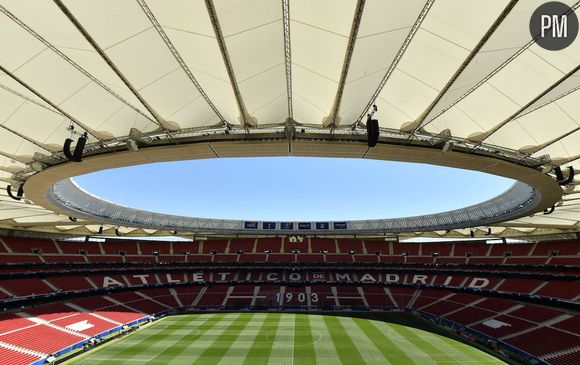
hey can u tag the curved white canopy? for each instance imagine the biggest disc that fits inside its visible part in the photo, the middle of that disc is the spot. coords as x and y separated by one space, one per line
106 67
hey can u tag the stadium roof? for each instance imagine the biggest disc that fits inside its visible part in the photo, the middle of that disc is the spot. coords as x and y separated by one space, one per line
166 80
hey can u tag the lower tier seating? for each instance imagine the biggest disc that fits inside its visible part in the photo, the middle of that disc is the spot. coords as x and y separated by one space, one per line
37 332
538 330
14 357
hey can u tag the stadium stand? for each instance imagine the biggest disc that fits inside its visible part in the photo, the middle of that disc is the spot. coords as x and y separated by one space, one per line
16 357
516 323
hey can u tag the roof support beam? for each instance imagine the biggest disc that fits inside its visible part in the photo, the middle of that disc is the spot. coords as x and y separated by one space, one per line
490 75
332 120
530 150
398 57
26 138
53 105
420 122
287 54
178 57
482 136
245 118
157 118
67 59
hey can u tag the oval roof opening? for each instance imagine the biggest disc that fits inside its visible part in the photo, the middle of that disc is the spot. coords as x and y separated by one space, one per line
293 188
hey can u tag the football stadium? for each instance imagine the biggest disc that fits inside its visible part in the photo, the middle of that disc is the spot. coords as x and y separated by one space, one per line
289 182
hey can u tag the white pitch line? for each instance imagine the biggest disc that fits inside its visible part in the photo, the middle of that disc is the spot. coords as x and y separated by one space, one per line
324 348
283 347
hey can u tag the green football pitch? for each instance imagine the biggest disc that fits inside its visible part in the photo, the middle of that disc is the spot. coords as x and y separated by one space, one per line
279 339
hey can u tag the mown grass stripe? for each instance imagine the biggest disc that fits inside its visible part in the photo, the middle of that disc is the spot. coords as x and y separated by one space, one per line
413 352
364 345
259 353
114 344
193 344
463 352
281 339
186 336
303 342
134 348
221 344
282 352
344 346
416 336
236 354
324 347
391 351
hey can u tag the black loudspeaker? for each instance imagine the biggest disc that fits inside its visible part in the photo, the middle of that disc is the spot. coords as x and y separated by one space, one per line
372 132
18 195
66 149
78 153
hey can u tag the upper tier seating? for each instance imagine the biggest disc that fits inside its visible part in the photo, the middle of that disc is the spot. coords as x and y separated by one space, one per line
519 249
26 245
346 245
322 244
374 246
570 248
475 249
179 248
148 247
64 258
268 244
442 249
115 247
19 250
243 244
76 247
218 245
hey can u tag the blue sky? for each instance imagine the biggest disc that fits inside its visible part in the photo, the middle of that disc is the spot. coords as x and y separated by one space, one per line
293 188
